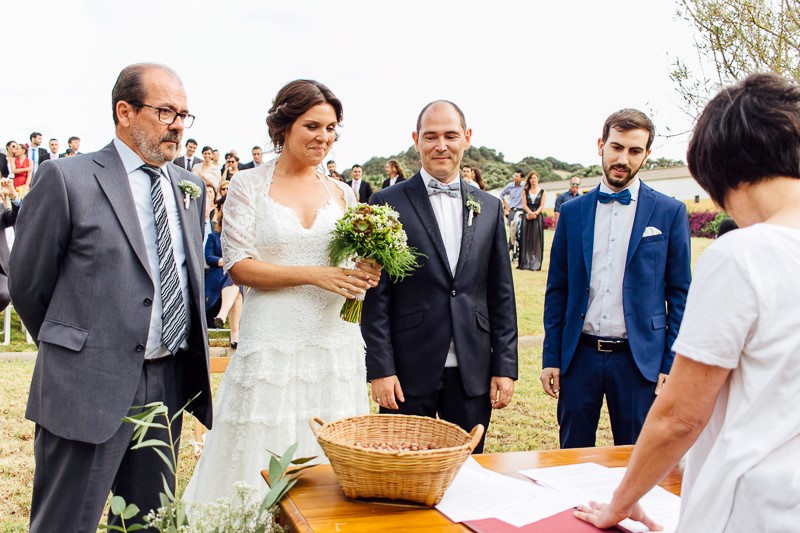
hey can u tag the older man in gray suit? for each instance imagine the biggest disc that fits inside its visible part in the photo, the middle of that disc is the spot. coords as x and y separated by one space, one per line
108 277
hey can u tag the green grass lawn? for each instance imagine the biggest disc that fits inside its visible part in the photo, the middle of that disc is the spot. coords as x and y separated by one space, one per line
529 423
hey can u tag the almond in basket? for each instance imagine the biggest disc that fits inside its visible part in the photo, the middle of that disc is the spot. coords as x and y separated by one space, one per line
395 446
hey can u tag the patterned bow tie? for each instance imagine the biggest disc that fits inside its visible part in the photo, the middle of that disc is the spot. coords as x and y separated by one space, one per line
623 197
436 187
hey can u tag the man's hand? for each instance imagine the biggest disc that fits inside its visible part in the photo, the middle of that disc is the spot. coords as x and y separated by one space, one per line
662 378
500 391
387 392
550 381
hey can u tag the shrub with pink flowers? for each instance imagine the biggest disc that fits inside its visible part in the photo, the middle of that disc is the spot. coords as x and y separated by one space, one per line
701 224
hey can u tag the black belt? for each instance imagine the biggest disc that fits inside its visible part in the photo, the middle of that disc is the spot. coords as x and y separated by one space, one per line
604 344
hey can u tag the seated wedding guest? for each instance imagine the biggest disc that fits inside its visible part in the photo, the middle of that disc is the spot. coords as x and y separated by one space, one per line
395 173
207 169
21 167
731 397
222 295
335 175
69 153
8 217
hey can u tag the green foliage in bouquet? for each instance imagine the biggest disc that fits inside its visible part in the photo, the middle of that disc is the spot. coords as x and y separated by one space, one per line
374 232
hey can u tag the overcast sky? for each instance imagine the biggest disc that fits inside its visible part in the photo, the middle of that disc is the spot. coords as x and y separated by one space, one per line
533 78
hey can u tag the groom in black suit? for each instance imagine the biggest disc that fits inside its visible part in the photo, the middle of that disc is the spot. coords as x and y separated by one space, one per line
444 340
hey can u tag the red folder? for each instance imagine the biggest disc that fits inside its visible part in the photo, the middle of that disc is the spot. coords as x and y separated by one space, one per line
563 522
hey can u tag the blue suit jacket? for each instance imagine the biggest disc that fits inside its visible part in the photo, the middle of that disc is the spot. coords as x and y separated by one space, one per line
657 277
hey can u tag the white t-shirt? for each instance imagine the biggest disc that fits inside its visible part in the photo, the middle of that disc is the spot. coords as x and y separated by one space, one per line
743 473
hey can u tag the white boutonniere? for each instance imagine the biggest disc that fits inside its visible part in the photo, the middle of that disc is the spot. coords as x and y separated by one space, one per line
474 208
190 192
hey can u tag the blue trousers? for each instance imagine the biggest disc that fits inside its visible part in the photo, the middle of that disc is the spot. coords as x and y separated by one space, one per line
591 376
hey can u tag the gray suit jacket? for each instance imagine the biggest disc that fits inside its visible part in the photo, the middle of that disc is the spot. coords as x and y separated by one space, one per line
83 288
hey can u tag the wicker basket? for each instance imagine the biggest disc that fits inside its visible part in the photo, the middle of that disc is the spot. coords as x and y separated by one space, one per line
419 476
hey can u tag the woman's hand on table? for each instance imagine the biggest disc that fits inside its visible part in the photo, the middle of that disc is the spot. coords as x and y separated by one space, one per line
603 515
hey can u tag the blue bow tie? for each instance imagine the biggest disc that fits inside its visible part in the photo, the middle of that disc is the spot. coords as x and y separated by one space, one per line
623 197
437 187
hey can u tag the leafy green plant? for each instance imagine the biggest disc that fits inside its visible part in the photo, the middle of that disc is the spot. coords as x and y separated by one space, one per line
240 514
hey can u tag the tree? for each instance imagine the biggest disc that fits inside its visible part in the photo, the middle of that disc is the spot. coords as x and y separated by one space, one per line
662 162
738 37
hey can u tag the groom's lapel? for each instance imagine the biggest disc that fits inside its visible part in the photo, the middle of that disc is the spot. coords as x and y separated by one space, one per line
418 197
467 230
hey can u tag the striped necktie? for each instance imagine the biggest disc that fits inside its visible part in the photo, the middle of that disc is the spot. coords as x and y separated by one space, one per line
173 312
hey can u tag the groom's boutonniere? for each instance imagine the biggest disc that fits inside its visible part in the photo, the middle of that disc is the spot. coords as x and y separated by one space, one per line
190 192
474 207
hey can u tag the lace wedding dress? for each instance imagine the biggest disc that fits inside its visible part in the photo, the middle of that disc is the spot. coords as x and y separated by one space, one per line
296 359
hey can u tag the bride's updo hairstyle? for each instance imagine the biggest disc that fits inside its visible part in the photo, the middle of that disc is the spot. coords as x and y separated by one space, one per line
294 99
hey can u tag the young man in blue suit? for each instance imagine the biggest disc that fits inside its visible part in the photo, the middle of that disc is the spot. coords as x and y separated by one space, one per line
619 273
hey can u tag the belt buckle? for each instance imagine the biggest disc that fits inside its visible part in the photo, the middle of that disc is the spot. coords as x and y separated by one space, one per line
600 346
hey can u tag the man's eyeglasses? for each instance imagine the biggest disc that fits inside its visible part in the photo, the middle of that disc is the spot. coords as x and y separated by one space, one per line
168 116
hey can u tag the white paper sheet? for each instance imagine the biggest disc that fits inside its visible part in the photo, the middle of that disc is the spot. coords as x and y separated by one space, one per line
590 481
477 493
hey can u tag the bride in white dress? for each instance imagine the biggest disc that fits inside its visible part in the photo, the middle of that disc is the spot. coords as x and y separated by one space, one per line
297 358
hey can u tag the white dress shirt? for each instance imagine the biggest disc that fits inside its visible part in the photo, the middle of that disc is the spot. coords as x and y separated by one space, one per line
33 155
613 223
449 212
140 187
356 186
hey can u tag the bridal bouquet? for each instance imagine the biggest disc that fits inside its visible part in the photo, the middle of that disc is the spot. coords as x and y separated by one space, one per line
372 232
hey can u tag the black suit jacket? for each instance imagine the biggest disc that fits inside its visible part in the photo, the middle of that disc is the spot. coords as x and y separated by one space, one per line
181 162
364 191
408 325
386 182
4 172
8 217
245 166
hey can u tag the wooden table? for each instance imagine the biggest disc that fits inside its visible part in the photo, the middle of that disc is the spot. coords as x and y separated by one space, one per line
317 504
